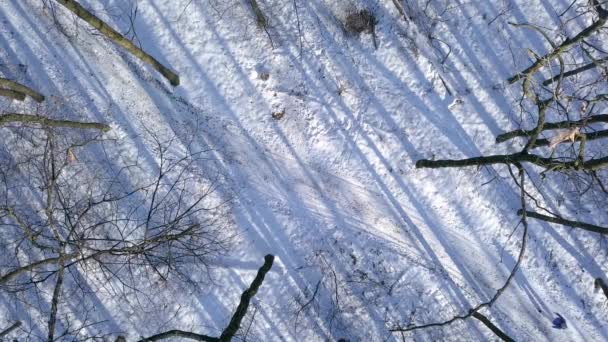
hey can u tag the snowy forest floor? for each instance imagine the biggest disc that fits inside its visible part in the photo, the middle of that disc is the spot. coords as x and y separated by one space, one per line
316 133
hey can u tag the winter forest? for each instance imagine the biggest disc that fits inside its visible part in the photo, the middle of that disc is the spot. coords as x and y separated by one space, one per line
303 170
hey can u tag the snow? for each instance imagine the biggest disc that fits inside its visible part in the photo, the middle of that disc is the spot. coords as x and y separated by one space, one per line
330 188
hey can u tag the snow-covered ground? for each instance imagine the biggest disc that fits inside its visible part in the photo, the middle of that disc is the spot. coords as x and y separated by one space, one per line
330 188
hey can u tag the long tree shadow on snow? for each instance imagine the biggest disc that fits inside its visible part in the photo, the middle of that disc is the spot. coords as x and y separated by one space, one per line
267 214
264 226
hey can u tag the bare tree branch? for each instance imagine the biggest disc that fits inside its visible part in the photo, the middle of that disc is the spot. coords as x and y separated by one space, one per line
235 321
246 297
400 9
599 283
576 224
259 15
505 285
55 305
12 85
261 20
35 119
119 39
603 118
550 163
180 333
9 329
578 70
558 103
492 327
542 61
49 261
15 95
588 136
